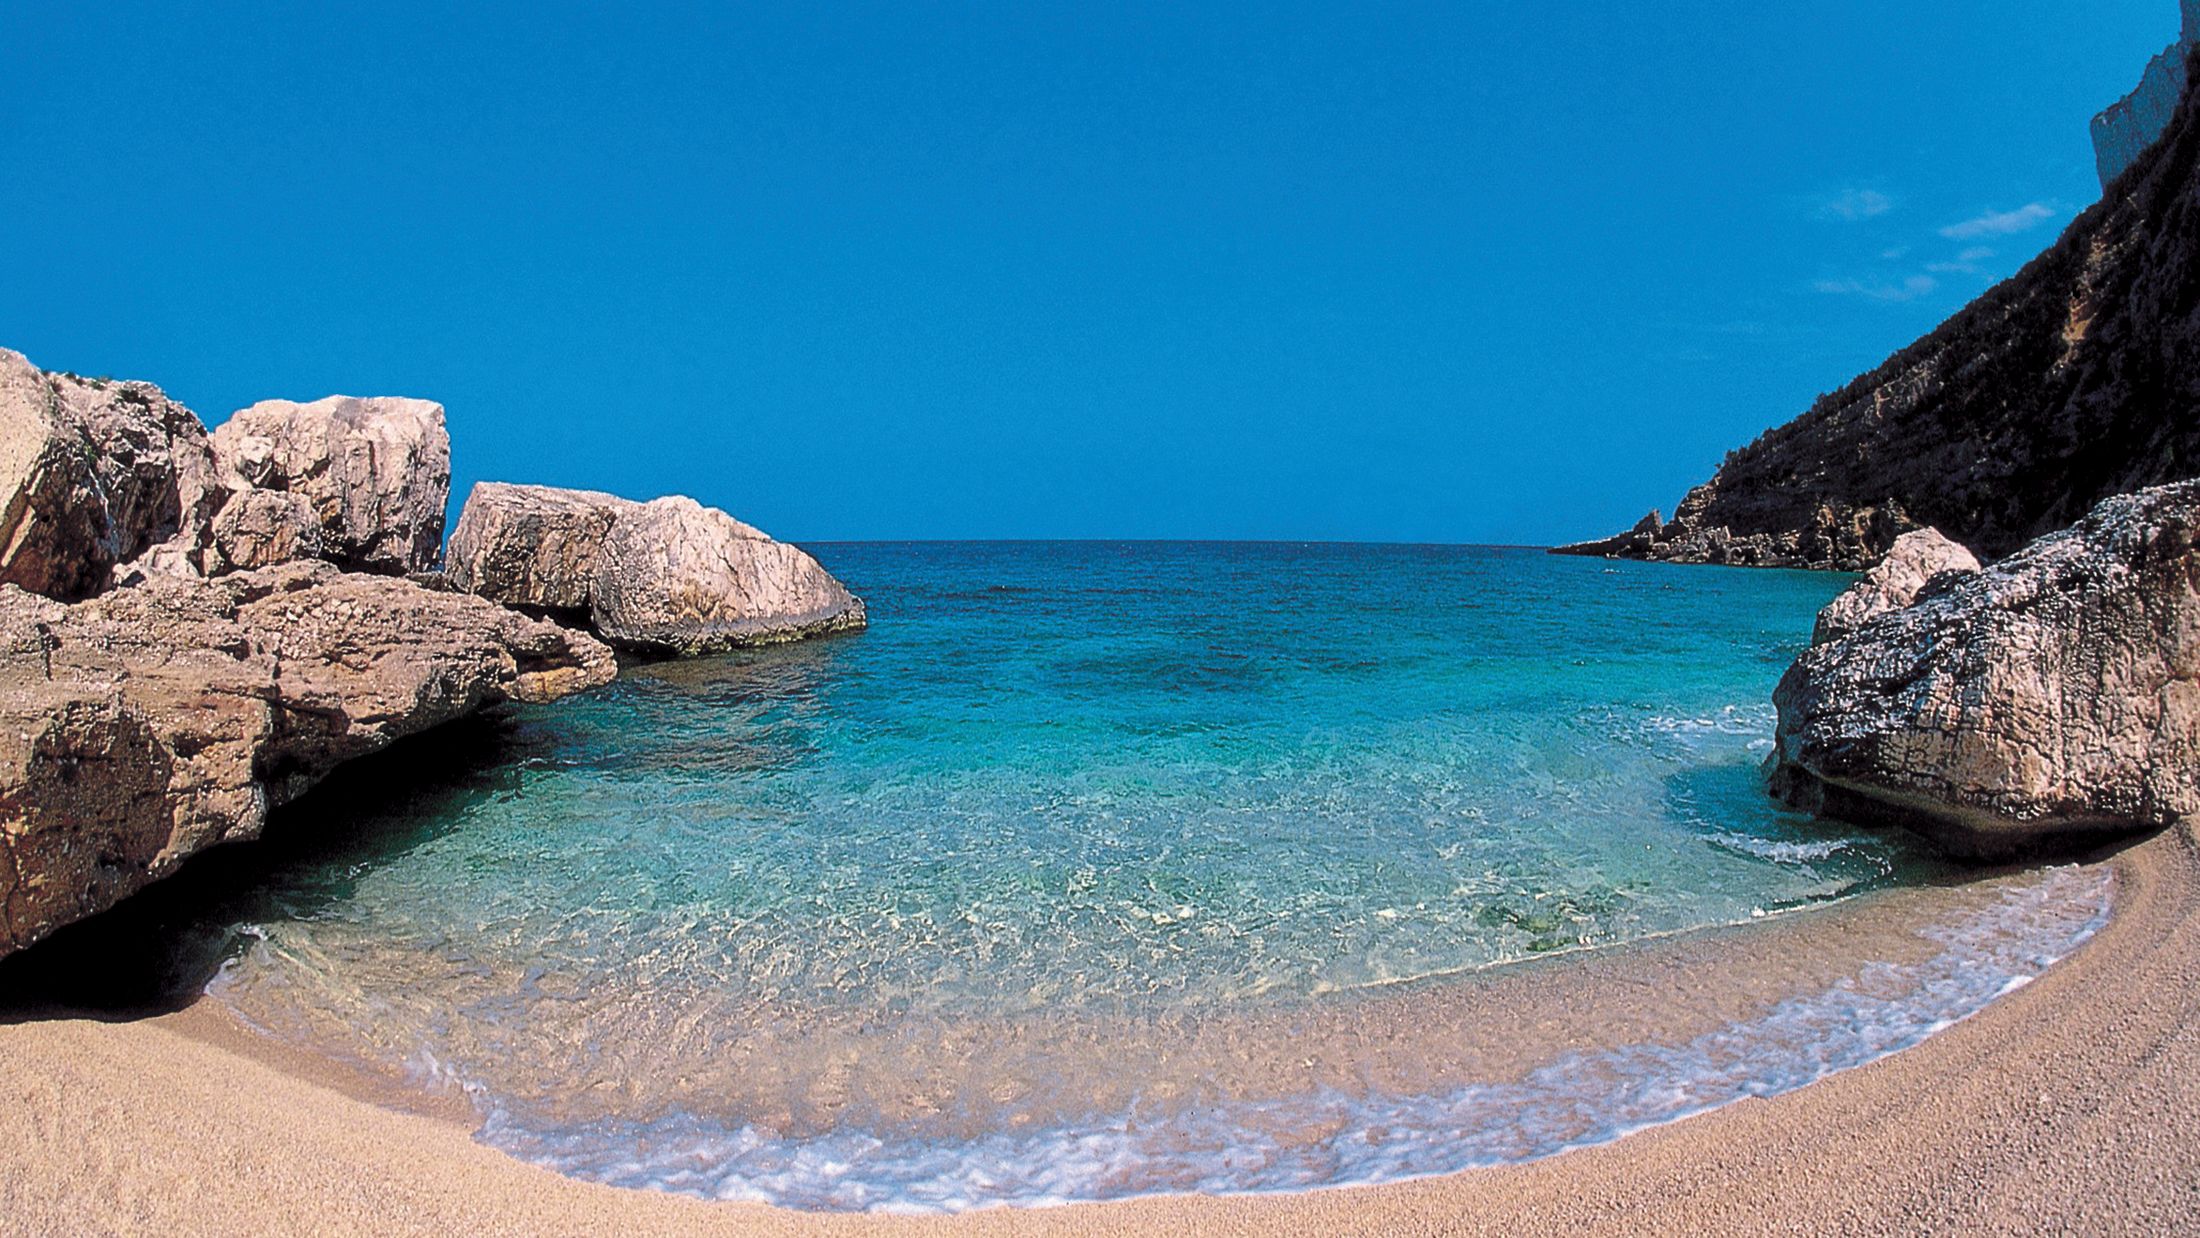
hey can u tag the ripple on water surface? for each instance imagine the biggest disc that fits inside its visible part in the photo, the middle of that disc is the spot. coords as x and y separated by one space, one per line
1035 890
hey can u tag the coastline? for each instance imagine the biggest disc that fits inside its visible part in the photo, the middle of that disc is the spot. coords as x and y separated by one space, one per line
2055 1107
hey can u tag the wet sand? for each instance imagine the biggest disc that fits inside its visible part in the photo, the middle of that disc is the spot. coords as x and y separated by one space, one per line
2073 1105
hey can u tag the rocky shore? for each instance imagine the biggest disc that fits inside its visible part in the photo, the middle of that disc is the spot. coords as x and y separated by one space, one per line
196 628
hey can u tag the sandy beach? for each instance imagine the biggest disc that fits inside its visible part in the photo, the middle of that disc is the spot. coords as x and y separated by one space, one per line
2065 1107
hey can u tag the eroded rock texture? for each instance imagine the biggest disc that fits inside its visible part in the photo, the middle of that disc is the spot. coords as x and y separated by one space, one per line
668 576
2051 698
95 474
532 546
152 722
1911 563
377 472
2071 381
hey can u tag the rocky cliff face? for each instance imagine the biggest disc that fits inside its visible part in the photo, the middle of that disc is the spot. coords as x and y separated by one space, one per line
2126 128
2075 379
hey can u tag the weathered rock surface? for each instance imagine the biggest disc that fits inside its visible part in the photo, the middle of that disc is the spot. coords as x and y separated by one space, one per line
532 546
95 473
2071 381
1913 561
260 528
2051 698
668 576
377 472
677 577
153 722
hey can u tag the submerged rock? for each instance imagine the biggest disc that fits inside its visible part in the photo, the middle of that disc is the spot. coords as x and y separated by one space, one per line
94 474
153 722
1914 560
2049 699
667 576
377 472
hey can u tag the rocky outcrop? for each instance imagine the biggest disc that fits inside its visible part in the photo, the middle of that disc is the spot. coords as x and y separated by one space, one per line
1912 563
152 722
532 546
2071 381
2126 128
260 528
376 471
95 474
2052 698
669 576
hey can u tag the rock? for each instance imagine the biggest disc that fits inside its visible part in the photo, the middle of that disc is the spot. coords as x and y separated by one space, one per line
2126 128
2073 380
669 576
260 528
2049 700
1915 559
1630 543
674 576
96 473
532 546
377 472
150 723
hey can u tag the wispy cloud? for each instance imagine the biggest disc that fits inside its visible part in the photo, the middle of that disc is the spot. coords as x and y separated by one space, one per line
1965 263
2001 223
1852 205
1907 289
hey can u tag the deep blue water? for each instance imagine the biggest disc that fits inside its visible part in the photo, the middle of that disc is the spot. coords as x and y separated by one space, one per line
1064 834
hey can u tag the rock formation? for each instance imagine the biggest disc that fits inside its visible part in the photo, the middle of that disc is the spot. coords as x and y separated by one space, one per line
377 472
150 723
260 528
2051 698
2126 128
532 546
2071 381
94 474
1912 563
668 576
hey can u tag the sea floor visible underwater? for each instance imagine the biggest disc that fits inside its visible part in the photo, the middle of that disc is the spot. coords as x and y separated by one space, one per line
1095 870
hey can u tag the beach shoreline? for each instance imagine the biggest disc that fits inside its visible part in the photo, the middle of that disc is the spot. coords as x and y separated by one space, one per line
2058 1106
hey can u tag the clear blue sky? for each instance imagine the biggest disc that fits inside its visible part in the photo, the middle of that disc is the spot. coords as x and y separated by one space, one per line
1456 272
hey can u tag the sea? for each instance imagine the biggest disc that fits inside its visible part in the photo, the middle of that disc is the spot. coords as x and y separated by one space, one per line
1098 869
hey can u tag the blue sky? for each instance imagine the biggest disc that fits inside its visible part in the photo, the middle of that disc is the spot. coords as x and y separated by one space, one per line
1506 273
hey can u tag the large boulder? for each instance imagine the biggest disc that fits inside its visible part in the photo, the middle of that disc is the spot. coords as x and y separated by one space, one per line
153 722
2049 700
677 577
668 576
1911 563
94 474
377 472
532 546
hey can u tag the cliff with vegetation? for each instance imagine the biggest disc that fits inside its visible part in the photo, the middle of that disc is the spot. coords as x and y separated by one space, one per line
2076 379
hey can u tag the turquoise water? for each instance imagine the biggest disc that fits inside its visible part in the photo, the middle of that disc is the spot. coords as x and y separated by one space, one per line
1075 840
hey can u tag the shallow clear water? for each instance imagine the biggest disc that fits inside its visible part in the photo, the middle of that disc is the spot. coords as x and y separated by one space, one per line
1077 835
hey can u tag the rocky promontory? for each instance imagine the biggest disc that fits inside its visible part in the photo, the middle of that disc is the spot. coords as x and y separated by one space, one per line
2073 380
666 576
196 628
2050 699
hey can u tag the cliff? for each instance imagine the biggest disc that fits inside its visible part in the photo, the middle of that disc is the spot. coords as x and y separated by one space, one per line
2126 128
2075 379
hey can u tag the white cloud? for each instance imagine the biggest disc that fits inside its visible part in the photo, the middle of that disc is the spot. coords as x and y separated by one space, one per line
2001 223
1909 289
1977 253
1851 205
